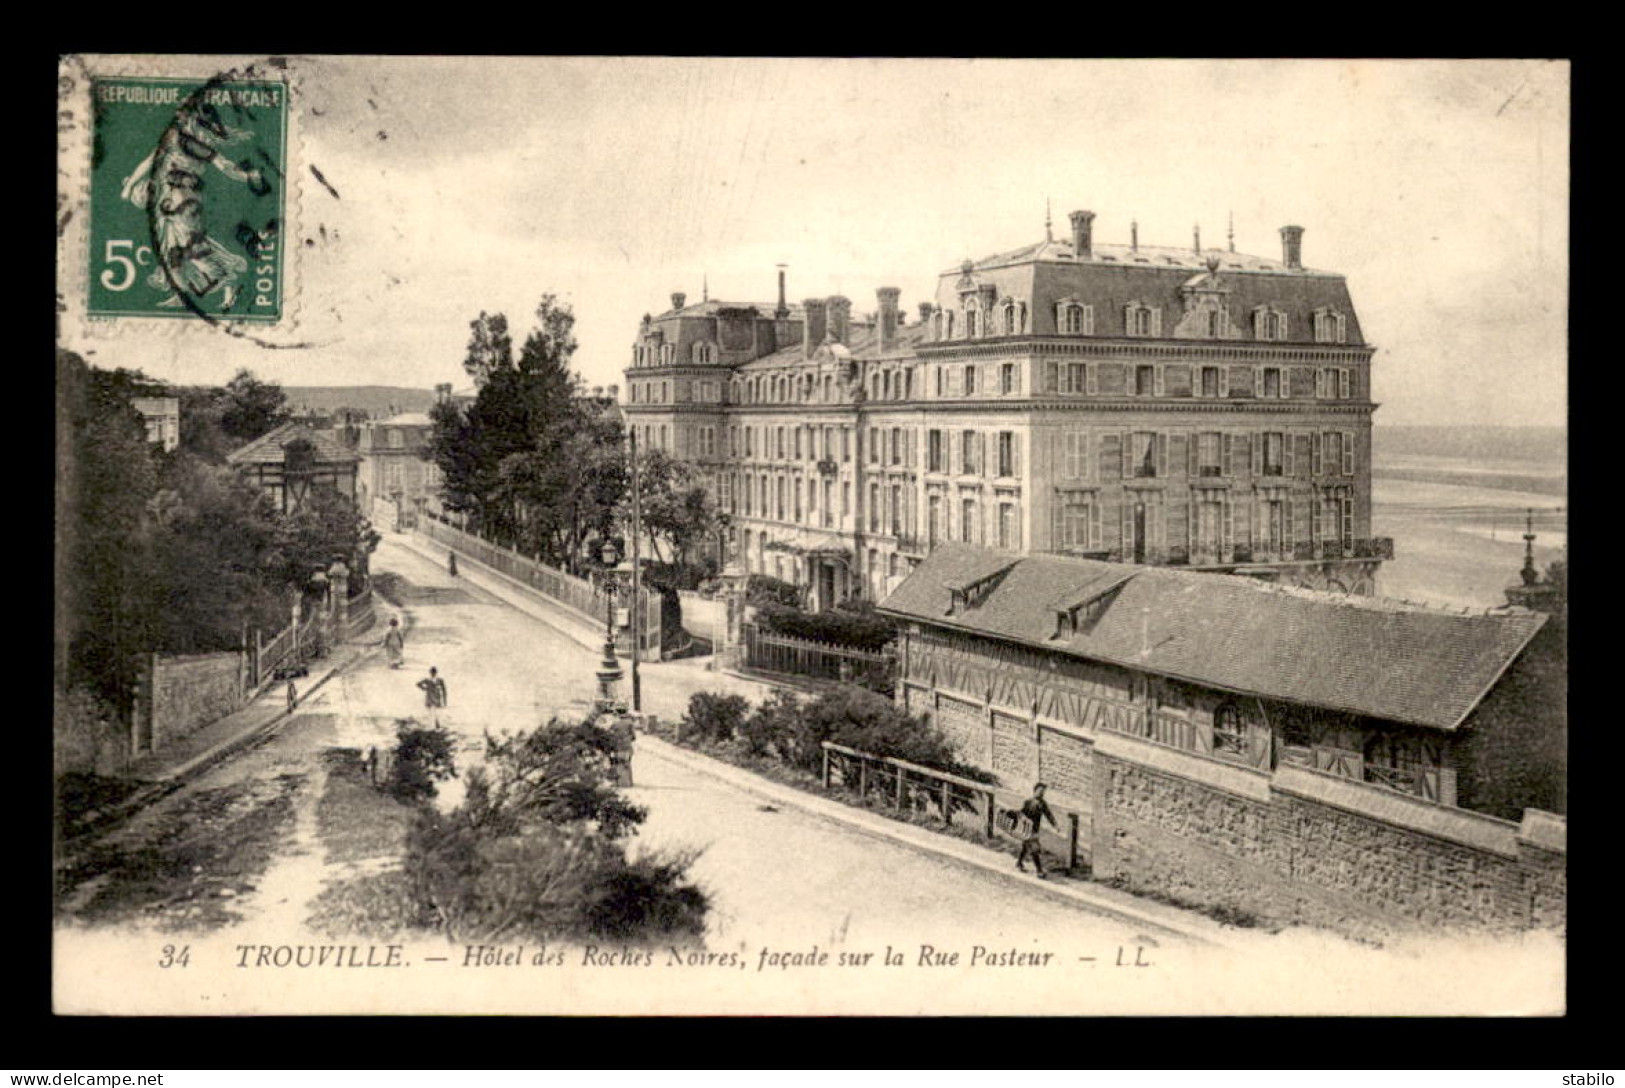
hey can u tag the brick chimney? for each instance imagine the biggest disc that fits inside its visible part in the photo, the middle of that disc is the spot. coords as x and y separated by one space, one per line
1083 231
1292 247
812 325
926 310
677 300
886 325
442 392
840 318
783 309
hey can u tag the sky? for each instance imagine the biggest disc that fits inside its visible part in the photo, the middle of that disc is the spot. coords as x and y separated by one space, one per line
455 186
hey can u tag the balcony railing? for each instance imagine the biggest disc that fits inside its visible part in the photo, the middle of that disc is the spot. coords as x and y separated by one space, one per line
1215 555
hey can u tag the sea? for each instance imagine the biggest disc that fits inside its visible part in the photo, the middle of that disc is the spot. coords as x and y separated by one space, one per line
1458 524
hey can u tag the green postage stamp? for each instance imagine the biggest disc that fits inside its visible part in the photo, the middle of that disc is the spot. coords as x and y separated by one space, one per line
188 198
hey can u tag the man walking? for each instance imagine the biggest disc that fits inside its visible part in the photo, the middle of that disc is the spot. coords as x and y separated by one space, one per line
1033 810
395 644
434 690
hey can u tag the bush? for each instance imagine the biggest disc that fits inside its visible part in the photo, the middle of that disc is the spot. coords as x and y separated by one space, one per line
764 589
422 758
534 850
854 624
713 716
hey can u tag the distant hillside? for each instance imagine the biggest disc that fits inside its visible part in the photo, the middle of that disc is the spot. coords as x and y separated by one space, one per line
378 401
1496 443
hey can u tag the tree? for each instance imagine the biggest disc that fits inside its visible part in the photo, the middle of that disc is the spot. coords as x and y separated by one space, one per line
251 408
674 506
533 464
106 474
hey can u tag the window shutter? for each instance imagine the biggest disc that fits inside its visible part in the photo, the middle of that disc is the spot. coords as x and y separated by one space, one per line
1052 376
1224 381
1156 322
1089 320
1091 379
1227 456
1316 522
1345 384
1287 537
1162 454
1128 320
1288 441
1348 453
1110 456
1193 450
1158 384
1283 327
1229 519
1015 454
1317 452
1258 441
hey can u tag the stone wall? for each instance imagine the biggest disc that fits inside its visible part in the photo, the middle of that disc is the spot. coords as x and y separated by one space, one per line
188 691
1298 846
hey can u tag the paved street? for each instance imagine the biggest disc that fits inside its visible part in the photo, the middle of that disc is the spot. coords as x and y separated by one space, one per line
776 874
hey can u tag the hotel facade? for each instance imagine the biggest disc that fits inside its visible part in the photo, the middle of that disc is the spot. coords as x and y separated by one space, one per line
1150 405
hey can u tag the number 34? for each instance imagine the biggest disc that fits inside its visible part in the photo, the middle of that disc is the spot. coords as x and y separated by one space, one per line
111 278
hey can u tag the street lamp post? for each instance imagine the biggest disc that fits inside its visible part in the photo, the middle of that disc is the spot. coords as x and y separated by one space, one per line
609 670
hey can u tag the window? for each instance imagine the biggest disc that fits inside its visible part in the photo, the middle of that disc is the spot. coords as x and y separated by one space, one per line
933 452
941 379
1008 454
1329 457
970 381
396 439
1009 531
1215 323
846 448
797 508
1145 381
1077 521
896 510
1210 381
827 507
970 453
1274 454
1330 327
1229 731
1074 456
1269 324
1141 320
1007 378
1348 453
1209 454
1074 319
1345 389
968 529
874 508
933 519
796 442
970 324
846 499
1007 319
896 445
1145 449
779 492
874 445
1072 377
1273 385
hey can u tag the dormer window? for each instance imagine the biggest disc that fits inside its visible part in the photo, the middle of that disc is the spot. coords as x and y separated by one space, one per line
1269 324
970 323
1331 327
1073 318
1142 320
704 352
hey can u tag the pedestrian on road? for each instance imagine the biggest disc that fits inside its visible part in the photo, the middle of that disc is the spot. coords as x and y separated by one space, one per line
395 644
1034 810
434 690
620 759
451 563
293 694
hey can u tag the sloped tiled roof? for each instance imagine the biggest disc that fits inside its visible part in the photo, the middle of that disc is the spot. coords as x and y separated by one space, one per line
267 448
1372 657
860 342
1153 256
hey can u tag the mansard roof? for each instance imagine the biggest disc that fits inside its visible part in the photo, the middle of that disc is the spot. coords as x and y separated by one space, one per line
861 343
1060 250
710 307
1369 656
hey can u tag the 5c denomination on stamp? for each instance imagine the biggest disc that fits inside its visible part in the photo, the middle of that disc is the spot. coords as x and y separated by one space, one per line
188 198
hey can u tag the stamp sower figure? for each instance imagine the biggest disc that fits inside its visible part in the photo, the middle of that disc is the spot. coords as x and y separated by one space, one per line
1033 810
395 644
434 690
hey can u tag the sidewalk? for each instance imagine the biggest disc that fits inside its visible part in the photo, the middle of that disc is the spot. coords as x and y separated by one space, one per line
1095 898
526 599
165 770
